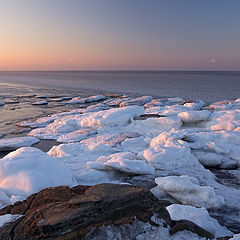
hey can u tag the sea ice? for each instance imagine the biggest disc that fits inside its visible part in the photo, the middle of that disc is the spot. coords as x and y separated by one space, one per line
137 101
7 218
187 191
76 136
80 100
194 116
9 144
40 103
200 216
161 123
124 162
224 120
111 118
224 143
28 170
235 237
176 100
168 152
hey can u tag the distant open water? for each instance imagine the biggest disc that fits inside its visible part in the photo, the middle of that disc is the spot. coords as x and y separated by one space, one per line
207 86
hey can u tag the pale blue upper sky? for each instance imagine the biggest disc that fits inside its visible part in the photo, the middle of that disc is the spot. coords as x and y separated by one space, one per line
120 34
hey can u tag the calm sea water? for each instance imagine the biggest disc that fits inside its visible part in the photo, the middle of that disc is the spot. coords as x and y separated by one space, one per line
207 86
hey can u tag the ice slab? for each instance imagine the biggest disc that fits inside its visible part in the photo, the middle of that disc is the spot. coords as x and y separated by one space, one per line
168 151
40 103
76 136
194 116
199 216
28 170
7 218
9 144
224 143
188 191
136 101
124 162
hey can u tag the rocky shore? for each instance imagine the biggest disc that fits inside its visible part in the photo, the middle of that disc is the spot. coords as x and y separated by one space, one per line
80 212
148 157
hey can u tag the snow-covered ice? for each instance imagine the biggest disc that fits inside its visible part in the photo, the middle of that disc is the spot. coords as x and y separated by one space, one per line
136 101
7 218
80 100
124 162
200 216
187 190
28 170
194 116
109 138
40 103
9 144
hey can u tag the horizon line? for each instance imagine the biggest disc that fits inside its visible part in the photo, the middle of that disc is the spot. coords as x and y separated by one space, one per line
121 70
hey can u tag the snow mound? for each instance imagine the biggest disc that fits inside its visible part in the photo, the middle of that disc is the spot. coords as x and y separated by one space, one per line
76 136
28 170
176 100
166 151
8 144
199 216
111 117
136 101
163 123
194 116
124 162
223 143
187 191
80 100
224 120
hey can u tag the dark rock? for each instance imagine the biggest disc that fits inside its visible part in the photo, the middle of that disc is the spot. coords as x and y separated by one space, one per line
146 116
190 226
64 213
71 213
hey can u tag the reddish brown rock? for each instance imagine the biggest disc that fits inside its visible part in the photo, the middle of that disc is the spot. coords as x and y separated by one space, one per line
64 213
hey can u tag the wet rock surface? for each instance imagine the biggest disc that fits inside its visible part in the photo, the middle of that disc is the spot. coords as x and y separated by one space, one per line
71 213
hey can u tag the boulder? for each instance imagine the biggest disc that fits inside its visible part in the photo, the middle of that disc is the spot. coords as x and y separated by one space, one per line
70 213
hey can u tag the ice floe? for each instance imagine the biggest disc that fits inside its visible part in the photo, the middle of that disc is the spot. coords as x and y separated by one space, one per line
81 100
124 162
187 190
224 144
28 170
9 144
136 101
167 151
7 218
109 139
200 216
40 103
194 116
76 136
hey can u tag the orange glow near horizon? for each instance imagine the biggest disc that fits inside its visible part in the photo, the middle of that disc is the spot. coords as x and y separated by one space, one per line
89 35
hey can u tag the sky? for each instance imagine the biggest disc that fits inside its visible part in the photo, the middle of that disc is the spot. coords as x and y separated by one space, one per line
119 34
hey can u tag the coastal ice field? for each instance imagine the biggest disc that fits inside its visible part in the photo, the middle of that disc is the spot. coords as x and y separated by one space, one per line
188 149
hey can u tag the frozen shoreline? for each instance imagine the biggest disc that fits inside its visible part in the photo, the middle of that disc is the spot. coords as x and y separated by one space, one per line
125 139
